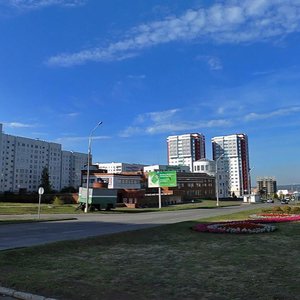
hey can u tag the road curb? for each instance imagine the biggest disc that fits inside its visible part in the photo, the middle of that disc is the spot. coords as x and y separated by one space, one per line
21 295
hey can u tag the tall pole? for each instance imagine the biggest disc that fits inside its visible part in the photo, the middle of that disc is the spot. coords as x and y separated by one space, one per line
217 179
249 183
88 168
159 197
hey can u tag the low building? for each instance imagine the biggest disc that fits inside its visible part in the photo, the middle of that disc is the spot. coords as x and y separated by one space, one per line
119 167
190 186
205 166
156 168
113 181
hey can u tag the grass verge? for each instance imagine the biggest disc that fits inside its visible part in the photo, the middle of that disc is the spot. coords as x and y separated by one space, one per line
171 262
23 208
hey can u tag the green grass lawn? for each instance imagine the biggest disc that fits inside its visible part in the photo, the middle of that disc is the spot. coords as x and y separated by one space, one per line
166 262
25 208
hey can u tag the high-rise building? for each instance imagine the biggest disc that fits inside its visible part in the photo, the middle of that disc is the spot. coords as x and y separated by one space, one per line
23 159
184 149
232 164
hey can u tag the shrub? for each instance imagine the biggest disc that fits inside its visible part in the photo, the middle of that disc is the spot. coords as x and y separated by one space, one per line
277 209
57 201
286 209
295 210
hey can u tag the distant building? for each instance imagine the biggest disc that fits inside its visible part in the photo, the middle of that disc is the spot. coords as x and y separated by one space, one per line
119 167
23 159
266 185
185 149
205 166
153 168
233 168
71 165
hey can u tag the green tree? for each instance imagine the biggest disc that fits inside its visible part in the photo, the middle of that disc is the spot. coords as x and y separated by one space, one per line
45 181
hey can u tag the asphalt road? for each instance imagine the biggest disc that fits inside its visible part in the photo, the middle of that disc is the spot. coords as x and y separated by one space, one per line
87 225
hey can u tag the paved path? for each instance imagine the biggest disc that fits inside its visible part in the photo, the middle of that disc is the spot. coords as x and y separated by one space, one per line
93 224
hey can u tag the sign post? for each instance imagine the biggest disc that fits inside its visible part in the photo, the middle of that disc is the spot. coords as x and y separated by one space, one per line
41 192
162 179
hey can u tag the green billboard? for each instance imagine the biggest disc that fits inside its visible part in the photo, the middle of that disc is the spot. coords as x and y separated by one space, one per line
162 179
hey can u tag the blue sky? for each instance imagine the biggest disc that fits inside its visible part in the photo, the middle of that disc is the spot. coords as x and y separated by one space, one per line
149 69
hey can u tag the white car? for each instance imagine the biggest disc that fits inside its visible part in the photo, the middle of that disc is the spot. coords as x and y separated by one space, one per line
270 201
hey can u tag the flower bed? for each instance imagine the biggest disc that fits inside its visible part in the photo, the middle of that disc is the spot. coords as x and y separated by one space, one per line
234 227
274 218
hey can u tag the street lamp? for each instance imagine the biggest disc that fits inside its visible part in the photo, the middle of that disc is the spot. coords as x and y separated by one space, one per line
88 168
249 183
217 179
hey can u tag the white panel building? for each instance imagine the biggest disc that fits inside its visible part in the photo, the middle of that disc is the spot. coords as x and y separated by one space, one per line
71 165
23 159
232 158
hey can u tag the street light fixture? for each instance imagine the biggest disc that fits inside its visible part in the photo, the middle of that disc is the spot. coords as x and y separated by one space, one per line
217 179
88 167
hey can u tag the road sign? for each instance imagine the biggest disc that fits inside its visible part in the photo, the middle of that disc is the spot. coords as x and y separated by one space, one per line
162 179
41 191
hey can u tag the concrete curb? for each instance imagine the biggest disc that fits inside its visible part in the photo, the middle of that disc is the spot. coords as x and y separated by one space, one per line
21 295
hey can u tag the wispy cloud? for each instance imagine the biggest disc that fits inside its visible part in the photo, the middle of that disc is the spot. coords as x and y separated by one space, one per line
174 121
17 125
138 77
71 115
214 63
168 121
231 22
276 113
75 139
24 5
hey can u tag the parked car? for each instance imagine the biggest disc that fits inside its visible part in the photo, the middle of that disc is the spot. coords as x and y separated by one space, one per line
270 201
284 201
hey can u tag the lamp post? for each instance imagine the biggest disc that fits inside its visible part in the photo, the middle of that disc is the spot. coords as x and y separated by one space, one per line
88 168
249 183
217 179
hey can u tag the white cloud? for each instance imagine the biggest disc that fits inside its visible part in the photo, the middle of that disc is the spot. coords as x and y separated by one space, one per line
173 122
230 22
17 125
36 4
75 139
214 63
169 121
71 115
276 113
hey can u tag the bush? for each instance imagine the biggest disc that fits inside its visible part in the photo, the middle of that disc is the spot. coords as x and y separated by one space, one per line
286 209
295 210
277 209
57 201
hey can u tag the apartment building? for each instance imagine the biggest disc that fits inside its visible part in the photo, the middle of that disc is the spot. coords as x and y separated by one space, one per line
232 164
184 150
71 165
23 159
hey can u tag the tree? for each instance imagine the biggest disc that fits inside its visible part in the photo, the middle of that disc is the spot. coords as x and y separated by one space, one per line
45 181
233 195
